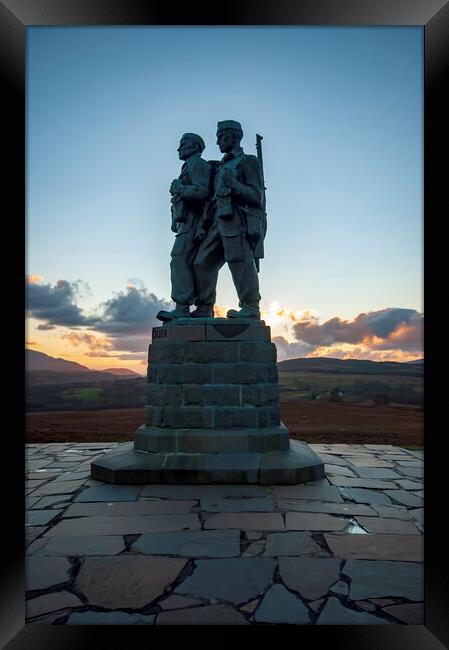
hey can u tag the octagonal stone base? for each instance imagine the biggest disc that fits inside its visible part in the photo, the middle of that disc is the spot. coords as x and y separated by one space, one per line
212 412
298 464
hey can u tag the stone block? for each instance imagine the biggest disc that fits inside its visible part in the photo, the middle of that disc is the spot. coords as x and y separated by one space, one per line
170 352
211 395
186 373
299 465
152 415
211 468
237 331
164 395
154 439
210 352
272 373
179 332
257 351
239 373
260 394
187 417
270 439
151 373
268 416
235 417
158 334
201 441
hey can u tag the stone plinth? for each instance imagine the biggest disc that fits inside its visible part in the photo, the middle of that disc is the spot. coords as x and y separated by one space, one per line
212 413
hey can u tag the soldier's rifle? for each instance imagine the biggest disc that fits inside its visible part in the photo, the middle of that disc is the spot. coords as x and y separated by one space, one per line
264 202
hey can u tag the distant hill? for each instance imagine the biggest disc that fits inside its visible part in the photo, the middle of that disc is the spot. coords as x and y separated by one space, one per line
122 372
351 366
39 362
43 369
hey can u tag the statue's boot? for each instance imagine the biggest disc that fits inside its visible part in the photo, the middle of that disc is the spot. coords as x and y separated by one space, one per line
203 311
247 311
180 311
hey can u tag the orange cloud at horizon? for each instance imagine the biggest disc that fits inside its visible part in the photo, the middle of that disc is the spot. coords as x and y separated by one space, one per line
350 351
34 279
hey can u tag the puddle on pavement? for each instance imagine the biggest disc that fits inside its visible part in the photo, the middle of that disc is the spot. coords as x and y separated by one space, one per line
355 529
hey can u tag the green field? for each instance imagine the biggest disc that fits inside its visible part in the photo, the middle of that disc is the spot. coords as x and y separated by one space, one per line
352 388
85 393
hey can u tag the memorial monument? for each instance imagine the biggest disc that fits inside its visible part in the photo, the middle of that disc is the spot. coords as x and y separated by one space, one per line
212 413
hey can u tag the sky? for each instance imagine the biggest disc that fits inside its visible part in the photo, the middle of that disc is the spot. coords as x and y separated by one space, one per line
341 115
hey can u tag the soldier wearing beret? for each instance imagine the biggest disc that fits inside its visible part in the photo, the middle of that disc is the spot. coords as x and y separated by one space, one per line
189 193
235 227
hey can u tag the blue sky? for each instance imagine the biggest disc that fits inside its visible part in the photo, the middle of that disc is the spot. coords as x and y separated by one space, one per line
341 114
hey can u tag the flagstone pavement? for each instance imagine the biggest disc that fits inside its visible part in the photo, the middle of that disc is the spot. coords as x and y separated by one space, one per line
344 550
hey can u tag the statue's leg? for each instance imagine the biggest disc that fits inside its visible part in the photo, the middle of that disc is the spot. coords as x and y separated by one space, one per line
207 262
181 270
244 274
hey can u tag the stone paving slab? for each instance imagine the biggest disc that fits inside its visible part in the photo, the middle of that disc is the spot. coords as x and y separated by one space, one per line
246 521
78 545
226 554
362 495
309 492
370 579
204 543
280 606
62 487
338 470
292 543
109 493
109 618
51 603
209 615
411 613
347 508
202 491
129 508
312 578
335 613
44 572
405 498
235 580
371 484
387 526
40 517
251 504
126 582
179 602
313 521
105 525
377 547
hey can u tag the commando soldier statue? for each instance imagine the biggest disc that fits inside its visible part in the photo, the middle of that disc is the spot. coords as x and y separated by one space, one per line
235 221
189 193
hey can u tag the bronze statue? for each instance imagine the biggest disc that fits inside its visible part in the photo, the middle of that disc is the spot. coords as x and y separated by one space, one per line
234 219
189 193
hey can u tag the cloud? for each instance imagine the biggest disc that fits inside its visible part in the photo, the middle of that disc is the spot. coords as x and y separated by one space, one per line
286 350
125 320
34 279
94 343
392 326
130 313
56 305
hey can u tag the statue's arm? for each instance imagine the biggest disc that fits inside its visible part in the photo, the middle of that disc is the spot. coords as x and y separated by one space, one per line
198 189
251 190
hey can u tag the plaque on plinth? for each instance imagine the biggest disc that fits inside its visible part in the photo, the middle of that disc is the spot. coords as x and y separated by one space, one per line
212 413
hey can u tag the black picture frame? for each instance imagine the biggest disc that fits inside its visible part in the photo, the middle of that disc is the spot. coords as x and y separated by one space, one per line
433 16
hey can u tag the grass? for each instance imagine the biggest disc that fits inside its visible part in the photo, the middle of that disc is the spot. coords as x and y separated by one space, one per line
85 393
